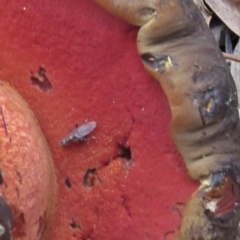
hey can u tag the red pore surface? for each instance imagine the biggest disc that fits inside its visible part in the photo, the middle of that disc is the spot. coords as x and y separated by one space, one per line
72 61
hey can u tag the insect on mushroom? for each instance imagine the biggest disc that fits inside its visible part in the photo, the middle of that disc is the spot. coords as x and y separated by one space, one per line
79 134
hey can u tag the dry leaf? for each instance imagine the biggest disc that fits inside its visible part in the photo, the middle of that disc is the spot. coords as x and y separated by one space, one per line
218 31
204 10
228 11
235 70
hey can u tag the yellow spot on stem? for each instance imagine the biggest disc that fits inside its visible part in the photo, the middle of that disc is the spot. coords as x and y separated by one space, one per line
209 105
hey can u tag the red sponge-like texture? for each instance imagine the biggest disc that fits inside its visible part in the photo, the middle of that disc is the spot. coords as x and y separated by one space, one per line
72 61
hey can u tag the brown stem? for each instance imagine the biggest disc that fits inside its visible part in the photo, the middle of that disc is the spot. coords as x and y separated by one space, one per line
231 57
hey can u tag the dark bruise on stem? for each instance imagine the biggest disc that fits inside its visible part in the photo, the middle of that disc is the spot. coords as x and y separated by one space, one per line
178 50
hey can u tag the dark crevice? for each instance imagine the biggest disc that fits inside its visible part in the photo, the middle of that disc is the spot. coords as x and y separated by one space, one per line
1 178
68 183
124 152
91 174
89 177
74 225
19 176
202 119
5 125
41 80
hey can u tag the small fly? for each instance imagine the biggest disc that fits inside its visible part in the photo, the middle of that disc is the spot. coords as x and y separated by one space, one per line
79 134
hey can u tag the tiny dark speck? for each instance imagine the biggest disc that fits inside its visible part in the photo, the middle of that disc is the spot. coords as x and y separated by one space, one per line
41 80
89 177
73 224
68 183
